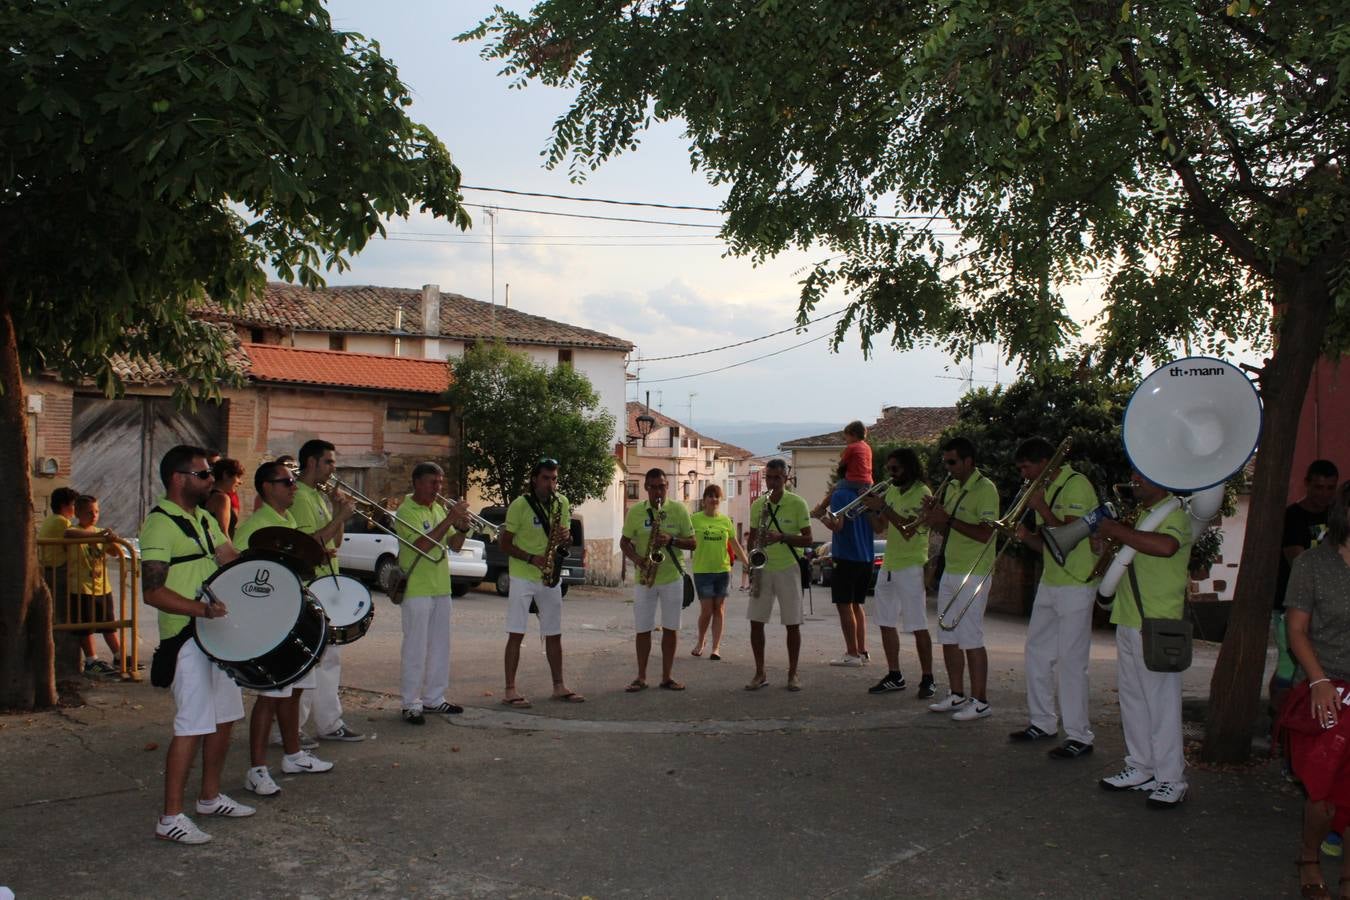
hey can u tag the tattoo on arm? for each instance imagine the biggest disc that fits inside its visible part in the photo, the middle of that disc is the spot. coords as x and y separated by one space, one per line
153 576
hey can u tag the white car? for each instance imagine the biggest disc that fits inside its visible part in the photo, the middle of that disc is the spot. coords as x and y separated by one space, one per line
367 552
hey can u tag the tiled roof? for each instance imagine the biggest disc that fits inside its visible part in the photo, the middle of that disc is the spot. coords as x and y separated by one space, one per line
724 449
151 371
897 423
332 368
370 310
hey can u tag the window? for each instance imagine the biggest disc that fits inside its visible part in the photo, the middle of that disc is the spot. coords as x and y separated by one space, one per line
564 356
685 485
632 493
256 335
337 342
420 421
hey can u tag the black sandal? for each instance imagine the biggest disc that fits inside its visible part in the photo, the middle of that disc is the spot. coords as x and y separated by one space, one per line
1313 890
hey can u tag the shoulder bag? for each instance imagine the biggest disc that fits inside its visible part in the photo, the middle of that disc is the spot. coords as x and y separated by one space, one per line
1167 642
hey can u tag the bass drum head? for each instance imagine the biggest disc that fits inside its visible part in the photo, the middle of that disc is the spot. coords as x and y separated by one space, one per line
345 600
1192 424
263 598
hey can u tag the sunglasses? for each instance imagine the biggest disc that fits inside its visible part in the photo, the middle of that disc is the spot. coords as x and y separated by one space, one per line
289 482
950 462
204 474
548 461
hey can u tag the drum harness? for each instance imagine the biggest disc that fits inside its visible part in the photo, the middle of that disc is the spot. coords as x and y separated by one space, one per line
165 660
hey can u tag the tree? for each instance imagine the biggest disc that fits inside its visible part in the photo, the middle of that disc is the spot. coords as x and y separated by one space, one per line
154 154
516 412
1189 153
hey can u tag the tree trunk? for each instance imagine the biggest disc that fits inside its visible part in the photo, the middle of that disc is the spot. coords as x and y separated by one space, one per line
27 677
1235 690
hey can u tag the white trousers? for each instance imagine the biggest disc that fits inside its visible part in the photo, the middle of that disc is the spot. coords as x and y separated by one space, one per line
426 651
1150 711
1059 641
322 703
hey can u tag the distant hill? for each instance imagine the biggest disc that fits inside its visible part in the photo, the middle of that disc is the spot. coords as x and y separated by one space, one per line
761 438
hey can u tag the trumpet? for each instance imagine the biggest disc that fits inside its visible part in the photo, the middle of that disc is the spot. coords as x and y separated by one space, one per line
1007 526
856 506
476 522
375 515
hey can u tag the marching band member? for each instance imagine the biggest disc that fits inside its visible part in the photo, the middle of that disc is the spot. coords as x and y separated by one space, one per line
900 597
651 526
181 547
425 658
1150 702
277 486
524 540
782 522
314 516
1059 635
968 501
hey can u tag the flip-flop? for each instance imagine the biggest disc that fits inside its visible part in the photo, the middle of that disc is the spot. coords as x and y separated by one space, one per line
670 684
715 655
635 685
569 697
517 703
696 652
755 685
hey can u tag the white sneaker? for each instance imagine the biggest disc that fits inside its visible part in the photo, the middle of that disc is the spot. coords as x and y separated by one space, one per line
304 761
181 830
224 806
949 703
260 782
848 660
1129 779
969 712
1167 794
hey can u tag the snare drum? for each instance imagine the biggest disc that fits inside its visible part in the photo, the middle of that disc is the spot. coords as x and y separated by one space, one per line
275 631
347 605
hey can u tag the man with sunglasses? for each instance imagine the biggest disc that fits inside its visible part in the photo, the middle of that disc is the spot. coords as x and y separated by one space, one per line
181 547
968 502
276 486
314 516
524 538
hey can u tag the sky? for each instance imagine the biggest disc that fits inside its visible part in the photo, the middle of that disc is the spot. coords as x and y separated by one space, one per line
670 290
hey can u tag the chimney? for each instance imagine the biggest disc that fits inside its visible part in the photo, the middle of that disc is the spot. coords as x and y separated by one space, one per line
431 320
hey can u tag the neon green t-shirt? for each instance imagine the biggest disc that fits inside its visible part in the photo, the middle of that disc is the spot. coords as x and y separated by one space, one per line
712 534
1074 498
531 535
979 504
1162 579
637 527
91 567
427 578
311 513
902 552
53 528
263 517
793 515
162 540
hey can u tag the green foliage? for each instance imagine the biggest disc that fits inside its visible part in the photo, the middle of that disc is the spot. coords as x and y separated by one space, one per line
156 154
967 162
516 412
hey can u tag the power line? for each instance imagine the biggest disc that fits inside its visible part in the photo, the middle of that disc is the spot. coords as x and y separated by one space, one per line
736 365
550 243
651 205
647 359
541 212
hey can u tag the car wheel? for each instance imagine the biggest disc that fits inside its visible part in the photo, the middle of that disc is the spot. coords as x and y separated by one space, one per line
386 571
564 590
503 583
459 589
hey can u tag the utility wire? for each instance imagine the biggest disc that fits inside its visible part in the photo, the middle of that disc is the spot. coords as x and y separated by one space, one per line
735 365
647 359
540 212
551 243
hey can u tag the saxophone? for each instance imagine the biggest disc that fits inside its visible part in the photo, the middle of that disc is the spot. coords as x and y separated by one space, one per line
758 555
555 551
655 555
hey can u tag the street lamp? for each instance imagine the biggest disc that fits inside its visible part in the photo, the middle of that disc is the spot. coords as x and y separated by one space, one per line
645 422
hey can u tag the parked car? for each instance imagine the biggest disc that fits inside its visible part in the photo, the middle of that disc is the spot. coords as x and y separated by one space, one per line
371 554
498 569
822 566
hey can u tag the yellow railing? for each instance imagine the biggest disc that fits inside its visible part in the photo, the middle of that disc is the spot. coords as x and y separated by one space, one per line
77 611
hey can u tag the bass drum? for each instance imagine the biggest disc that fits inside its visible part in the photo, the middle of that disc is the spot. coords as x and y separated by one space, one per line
347 605
274 632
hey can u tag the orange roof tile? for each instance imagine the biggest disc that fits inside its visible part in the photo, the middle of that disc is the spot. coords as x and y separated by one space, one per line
333 368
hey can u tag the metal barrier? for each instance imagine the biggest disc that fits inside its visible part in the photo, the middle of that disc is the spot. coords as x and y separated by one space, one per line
87 564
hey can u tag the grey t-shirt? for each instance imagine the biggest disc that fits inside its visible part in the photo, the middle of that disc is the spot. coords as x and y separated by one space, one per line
1319 584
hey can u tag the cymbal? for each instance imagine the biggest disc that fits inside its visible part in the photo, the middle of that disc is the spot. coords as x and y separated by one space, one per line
290 543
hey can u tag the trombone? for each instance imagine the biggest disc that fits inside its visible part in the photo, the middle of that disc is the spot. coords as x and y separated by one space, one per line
477 522
375 515
856 507
1007 526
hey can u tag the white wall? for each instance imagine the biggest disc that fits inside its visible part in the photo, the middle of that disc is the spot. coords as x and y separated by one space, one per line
812 467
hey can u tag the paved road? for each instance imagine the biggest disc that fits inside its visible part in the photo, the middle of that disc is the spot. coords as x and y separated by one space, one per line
714 792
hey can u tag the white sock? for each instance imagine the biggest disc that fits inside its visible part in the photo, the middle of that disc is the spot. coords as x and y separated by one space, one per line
293 757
